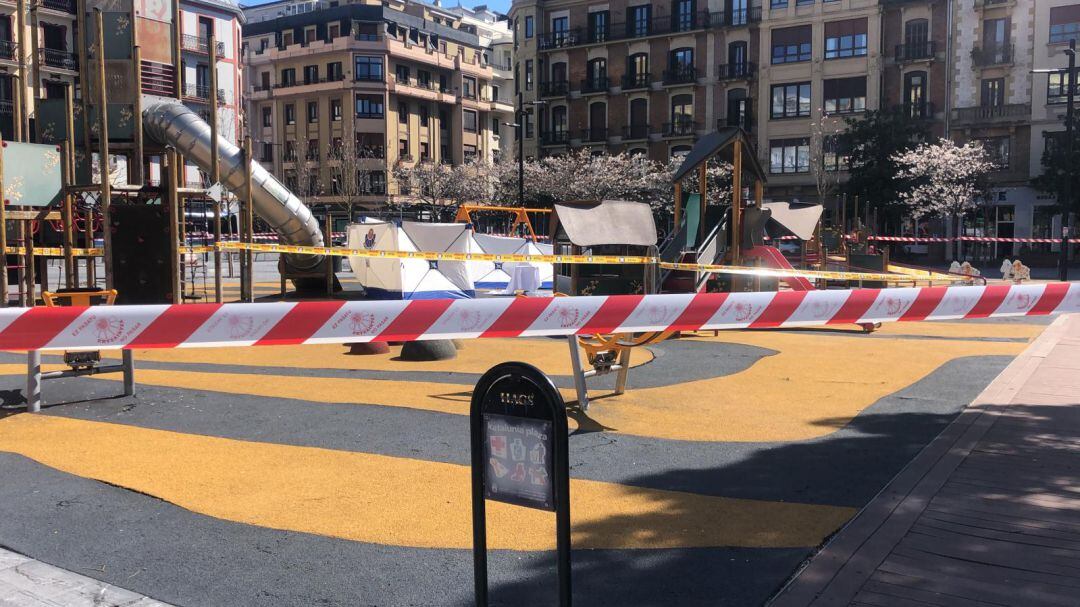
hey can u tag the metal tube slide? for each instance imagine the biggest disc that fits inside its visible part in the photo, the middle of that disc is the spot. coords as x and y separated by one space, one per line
171 123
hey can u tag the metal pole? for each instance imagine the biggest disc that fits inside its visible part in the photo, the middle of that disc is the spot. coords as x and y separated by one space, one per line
1063 259
33 381
249 221
22 130
521 149
128 358
70 267
103 145
168 175
215 173
3 235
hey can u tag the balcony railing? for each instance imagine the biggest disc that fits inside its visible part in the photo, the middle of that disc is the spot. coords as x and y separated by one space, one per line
369 77
594 134
989 3
736 71
64 6
741 120
919 111
991 114
635 131
666 24
369 115
997 54
8 49
7 107
636 81
59 59
196 91
680 128
554 88
200 44
680 75
560 137
915 51
598 84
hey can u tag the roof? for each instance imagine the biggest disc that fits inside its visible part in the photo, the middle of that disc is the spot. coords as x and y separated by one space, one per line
800 219
608 222
714 144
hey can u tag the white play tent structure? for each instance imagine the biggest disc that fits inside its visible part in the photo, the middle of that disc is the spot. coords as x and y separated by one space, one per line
493 275
412 278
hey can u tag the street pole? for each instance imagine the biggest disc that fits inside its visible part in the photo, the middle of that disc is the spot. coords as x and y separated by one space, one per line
1063 260
521 149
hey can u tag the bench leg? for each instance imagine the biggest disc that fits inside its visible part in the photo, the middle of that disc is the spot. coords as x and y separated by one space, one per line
129 371
33 381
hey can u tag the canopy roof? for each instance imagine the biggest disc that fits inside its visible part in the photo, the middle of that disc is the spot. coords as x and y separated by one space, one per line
717 144
800 219
608 222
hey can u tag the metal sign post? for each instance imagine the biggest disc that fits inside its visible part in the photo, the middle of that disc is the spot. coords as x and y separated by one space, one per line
520 456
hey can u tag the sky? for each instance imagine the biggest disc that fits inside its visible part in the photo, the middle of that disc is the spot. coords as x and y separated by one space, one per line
501 6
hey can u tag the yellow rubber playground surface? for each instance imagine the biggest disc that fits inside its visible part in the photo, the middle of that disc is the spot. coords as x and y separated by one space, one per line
745 446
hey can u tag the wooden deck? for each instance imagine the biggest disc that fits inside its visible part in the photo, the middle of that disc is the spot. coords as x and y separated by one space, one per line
987 514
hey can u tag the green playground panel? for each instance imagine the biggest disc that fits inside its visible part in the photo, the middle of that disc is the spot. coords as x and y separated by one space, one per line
32 174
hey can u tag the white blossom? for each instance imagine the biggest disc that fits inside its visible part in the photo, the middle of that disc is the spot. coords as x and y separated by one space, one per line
944 178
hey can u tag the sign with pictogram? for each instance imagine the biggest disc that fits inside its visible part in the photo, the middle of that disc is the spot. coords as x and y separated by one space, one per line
520 457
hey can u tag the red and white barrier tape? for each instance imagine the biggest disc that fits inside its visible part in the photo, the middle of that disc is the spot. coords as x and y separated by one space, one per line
921 239
317 322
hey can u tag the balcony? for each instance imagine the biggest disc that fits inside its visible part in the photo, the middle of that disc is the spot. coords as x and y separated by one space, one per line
593 135
999 54
636 81
369 115
555 88
743 17
681 128
666 24
598 84
63 6
992 115
560 137
635 131
916 51
918 111
680 75
196 91
736 71
199 44
8 49
59 59
552 40
7 107
990 3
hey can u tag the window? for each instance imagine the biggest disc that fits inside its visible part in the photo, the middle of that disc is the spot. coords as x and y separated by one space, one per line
997 148
333 31
845 95
738 109
401 74
992 92
1064 23
267 119
311 74
470 153
596 75
833 156
789 155
915 104
288 77
312 111
371 182
333 71
495 126
528 74
560 31
312 149
369 106
640 21
468 120
639 119
528 126
598 26
264 81
529 26
559 122
309 35
267 151
468 87
289 152
845 39
425 150
1057 87
444 120
423 78
792 44
682 115
791 100
290 114
637 71
403 113
682 15
403 150
335 109
681 66
369 68
424 115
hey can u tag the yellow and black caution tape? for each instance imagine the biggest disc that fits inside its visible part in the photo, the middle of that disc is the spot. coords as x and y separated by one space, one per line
55 251
435 256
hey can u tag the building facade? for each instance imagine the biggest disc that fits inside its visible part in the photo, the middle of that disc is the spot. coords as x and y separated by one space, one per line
366 87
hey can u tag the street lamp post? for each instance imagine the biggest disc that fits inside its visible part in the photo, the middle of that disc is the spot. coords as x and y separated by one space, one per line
519 125
1063 260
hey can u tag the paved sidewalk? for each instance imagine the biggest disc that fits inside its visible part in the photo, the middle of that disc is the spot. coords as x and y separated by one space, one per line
988 513
25 582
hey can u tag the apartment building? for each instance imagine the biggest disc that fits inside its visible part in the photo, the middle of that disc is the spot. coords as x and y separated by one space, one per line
37 57
915 41
396 82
